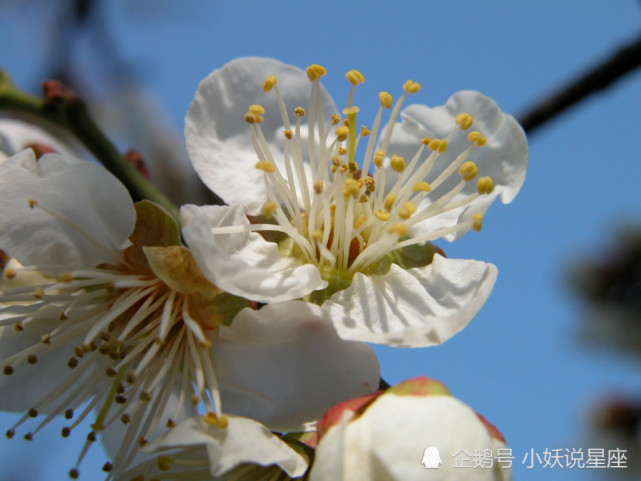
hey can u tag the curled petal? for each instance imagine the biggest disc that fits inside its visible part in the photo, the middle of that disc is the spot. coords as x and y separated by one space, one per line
417 307
504 157
244 264
218 138
242 441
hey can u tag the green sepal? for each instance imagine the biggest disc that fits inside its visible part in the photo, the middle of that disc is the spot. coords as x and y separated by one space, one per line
415 255
419 386
154 227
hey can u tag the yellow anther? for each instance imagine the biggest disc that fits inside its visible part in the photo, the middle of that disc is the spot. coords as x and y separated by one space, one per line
164 463
336 119
250 119
66 277
378 158
269 208
39 293
342 151
353 110
266 166
32 203
341 133
397 163
386 99
299 112
355 77
270 82
288 134
468 170
399 229
10 273
352 167
477 221
213 420
434 144
421 186
315 71
485 185
426 141
364 198
411 87
382 215
477 138
406 210
370 185
337 161
351 188
364 131
388 203
319 187
343 168
317 235
256 109
443 147
464 121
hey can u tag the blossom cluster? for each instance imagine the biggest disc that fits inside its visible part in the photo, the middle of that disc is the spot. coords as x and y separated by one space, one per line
232 343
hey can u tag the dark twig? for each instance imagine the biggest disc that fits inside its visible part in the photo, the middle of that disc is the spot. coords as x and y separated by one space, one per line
622 62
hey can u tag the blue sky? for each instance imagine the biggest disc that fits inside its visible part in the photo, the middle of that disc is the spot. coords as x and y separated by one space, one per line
520 362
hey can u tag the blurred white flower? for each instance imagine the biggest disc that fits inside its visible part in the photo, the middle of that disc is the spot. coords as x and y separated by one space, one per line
16 135
355 242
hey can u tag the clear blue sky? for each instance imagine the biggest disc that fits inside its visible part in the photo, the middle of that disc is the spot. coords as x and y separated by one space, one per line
520 362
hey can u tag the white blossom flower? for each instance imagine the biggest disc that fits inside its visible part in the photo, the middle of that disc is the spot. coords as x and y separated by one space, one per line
120 317
16 135
413 431
354 241
198 449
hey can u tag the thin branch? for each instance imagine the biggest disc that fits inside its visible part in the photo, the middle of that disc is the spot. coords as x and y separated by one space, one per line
598 78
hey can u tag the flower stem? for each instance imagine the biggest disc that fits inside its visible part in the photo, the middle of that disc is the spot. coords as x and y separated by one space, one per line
65 109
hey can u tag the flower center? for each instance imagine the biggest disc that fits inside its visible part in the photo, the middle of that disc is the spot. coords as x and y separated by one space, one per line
348 216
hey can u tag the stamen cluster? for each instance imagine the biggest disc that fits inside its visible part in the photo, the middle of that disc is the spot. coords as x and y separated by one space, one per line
339 214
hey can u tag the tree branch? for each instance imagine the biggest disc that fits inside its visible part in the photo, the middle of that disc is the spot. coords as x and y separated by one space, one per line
598 78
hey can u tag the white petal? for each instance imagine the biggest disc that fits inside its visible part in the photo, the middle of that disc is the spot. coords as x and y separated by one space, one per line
389 440
504 157
218 138
98 210
242 441
244 264
285 366
29 384
417 307
16 135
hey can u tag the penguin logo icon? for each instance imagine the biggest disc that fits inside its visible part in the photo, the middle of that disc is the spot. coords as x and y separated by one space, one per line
431 458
